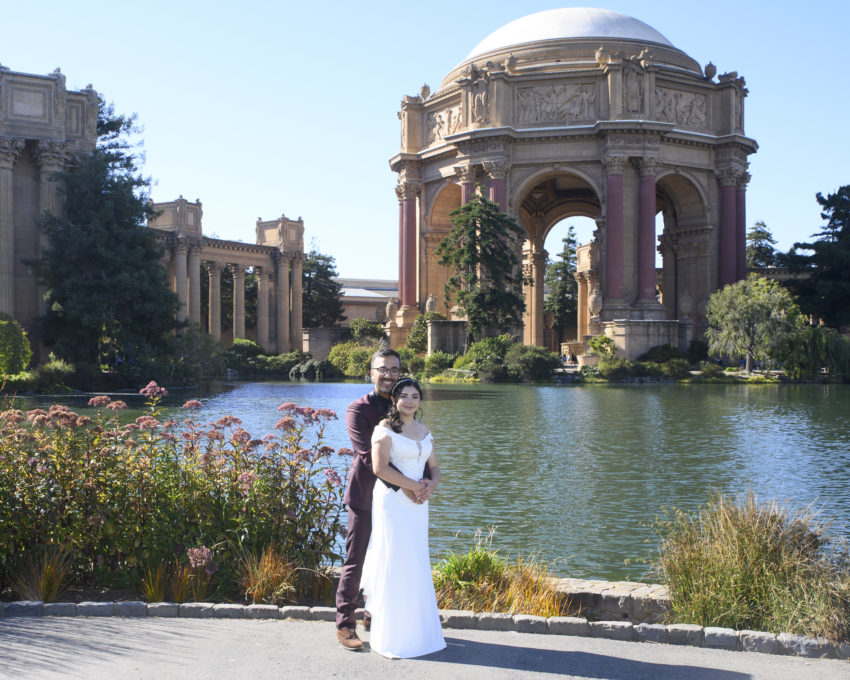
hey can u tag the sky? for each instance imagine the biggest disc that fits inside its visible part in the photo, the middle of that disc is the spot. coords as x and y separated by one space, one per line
266 108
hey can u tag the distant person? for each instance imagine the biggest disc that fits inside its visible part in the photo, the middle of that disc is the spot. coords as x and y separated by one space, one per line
397 577
361 416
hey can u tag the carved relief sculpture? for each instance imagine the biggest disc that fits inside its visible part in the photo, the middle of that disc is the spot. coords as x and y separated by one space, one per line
480 95
632 87
555 103
683 108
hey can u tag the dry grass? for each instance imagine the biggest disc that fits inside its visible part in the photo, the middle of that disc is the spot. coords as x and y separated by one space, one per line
482 581
269 578
745 565
155 584
44 576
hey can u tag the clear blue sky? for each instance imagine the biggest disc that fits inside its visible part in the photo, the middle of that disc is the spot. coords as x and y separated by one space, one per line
264 108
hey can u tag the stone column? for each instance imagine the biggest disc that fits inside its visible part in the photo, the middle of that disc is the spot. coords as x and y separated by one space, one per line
282 299
51 157
214 271
614 166
466 174
498 171
10 150
646 230
726 246
180 278
195 283
581 299
262 308
295 320
741 226
407 193
238 301
538 262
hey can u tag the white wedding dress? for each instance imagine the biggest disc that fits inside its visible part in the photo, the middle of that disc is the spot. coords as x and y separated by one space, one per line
396 577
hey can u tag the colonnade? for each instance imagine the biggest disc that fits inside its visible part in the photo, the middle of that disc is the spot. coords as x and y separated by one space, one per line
51 158
279 293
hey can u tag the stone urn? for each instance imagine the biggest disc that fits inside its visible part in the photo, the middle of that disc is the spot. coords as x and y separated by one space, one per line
431 303
594 302
392 308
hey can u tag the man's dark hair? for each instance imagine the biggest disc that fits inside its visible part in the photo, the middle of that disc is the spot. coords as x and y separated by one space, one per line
384 352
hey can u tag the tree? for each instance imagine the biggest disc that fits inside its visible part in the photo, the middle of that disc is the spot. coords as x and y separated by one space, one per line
760 250
321 293
417 338
15 350
485 278
107 298
824 287
562 300
754 317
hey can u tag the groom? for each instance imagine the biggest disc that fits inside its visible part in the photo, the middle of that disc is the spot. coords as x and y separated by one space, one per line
361 416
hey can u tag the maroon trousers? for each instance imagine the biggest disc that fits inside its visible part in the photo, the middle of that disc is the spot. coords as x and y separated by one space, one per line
356 542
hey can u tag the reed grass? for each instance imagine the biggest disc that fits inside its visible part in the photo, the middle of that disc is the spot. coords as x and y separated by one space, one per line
743 564
269 578
482 581
43 576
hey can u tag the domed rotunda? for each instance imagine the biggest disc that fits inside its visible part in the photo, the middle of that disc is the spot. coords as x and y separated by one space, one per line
584 112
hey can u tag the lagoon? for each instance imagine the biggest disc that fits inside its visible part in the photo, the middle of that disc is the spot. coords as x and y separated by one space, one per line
575 474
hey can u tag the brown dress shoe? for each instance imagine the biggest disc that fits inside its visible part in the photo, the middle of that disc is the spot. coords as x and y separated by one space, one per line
348 639
367 623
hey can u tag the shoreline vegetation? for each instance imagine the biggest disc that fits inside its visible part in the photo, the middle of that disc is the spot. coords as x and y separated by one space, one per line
193 512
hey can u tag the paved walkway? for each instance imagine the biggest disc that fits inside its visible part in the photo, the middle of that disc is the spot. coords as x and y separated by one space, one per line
125 649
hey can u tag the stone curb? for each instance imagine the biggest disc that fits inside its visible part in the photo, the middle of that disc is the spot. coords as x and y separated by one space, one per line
676 634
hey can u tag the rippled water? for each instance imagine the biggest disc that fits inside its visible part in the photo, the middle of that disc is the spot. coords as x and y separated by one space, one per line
576 474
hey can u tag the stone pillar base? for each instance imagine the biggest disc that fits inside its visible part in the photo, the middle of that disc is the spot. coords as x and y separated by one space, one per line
398 328
648 310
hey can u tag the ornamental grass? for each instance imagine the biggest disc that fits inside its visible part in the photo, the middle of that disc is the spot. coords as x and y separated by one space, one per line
747 565
482 581
185 500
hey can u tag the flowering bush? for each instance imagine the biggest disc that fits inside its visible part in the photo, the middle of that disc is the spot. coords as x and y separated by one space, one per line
124 499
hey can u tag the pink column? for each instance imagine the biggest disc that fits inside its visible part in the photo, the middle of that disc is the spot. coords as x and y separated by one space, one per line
407 238
466 174
401 238
646 230
741 226
614 227
728 226
497 170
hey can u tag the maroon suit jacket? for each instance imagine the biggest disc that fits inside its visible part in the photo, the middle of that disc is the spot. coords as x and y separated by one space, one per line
361 416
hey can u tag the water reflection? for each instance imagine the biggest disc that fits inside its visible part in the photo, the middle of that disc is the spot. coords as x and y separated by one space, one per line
575 474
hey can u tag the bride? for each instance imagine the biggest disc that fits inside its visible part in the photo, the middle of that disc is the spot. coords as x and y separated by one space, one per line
397 578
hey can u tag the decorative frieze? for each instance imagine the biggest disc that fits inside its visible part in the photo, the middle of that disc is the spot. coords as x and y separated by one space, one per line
443 123
688 109
555 103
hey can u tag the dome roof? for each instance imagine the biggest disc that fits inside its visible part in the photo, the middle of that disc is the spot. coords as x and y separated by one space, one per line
566 23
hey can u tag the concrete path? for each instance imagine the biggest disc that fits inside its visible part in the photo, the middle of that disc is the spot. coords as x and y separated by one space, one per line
185 649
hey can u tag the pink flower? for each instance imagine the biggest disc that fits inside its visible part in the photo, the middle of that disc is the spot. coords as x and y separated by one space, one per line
202 558
192 403
100 400
285 424
247 479
35 413
152 390
287 407
82 421
326 413
303 456
325 450
117 405
227 421
147 422
345 451
333 477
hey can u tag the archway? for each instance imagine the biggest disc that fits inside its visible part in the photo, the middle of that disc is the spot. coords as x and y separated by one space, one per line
547 200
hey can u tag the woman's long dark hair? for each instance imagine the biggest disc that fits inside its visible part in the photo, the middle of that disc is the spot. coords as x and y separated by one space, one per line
393 415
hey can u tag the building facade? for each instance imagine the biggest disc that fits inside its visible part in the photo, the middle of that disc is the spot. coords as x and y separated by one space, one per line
584 112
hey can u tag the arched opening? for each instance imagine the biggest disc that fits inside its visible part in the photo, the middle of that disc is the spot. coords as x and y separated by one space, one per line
550 200
686 249
433 277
